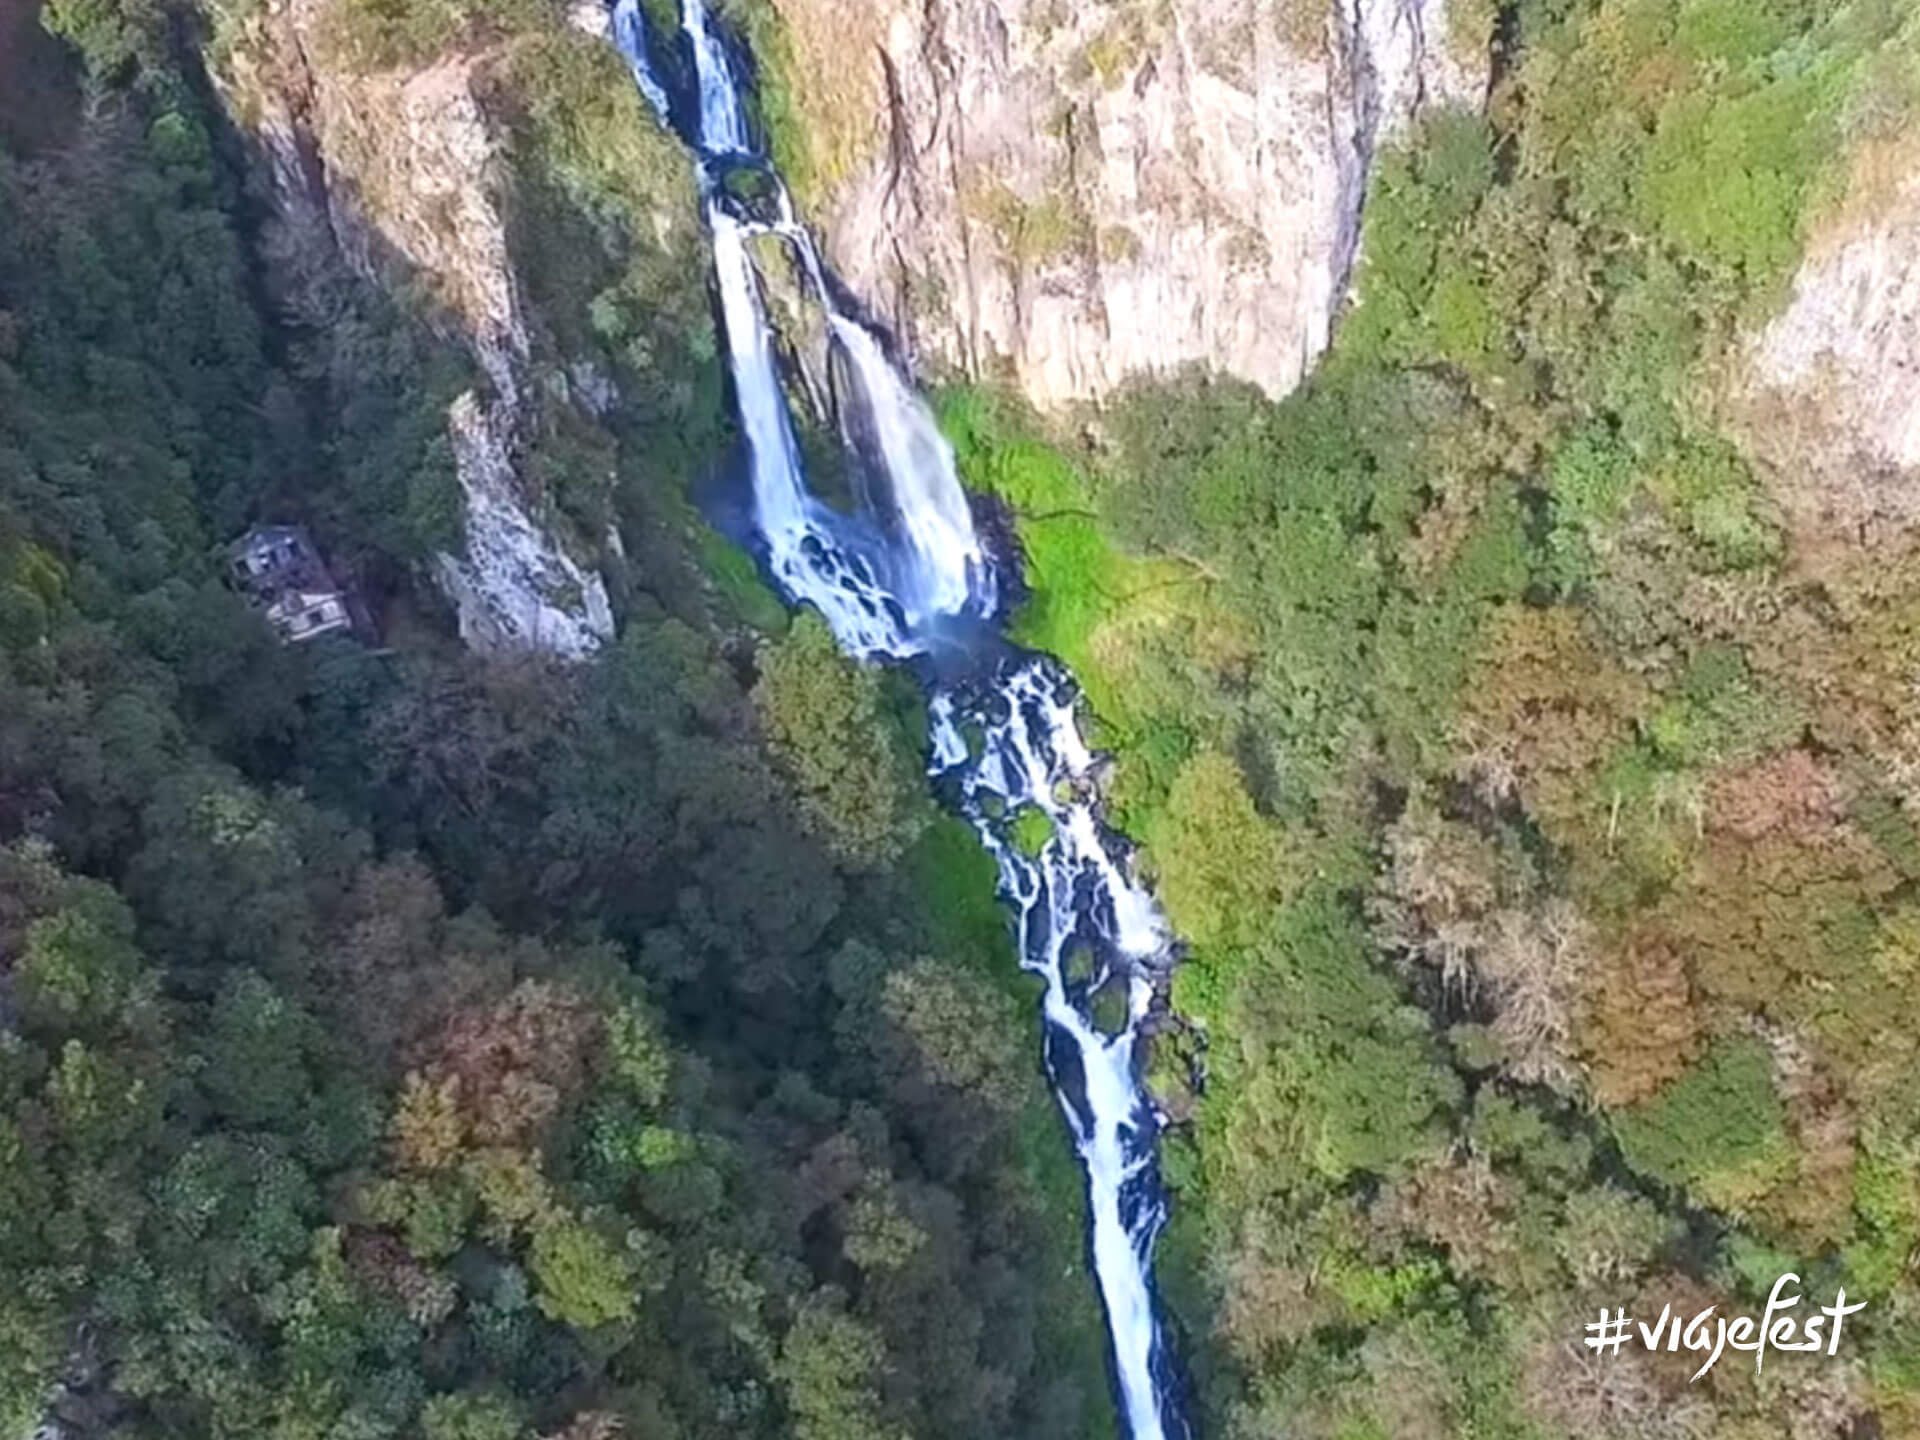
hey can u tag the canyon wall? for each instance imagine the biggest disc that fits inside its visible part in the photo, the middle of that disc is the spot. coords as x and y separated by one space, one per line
1830 392
1065 196
395 178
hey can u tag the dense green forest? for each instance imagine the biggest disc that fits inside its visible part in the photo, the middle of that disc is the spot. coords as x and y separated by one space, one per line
1530 774
394 1042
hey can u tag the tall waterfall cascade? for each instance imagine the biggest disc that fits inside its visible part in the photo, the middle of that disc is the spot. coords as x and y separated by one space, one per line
894 583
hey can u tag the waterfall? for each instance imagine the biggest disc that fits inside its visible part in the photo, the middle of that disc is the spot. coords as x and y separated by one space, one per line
630 36
947 570
1072 895
806 557
723 122
891 583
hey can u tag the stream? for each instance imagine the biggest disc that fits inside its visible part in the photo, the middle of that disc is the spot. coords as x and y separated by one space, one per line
907 579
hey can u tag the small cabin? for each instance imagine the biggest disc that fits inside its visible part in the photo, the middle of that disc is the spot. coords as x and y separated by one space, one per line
278 569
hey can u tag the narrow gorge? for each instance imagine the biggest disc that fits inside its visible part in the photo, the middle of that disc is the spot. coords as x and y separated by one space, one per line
603 601
907 579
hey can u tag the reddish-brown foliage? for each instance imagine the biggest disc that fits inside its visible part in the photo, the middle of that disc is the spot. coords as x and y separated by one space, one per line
1815 1204
384 1264
1790 792
1272 1293
510 1067
396 970
1542 706
1477 1215
1638 1026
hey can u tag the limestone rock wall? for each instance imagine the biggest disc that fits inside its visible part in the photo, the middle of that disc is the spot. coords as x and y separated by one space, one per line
1069 194
395 178
1831 390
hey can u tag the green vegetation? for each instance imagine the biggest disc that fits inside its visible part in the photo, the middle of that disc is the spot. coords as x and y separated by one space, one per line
1118 47
402 1043
1108 1008
1541 838
383 34
1031 830
606 239
817 89
1033 233
1719 1128
1082 586
857 785
954 878
744 594
777 106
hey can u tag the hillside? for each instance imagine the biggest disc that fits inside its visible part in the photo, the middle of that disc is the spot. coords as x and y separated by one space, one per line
1466 456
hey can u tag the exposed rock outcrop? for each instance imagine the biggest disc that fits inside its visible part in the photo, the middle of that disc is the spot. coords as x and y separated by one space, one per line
514 588
1070 195
1831 393
395 177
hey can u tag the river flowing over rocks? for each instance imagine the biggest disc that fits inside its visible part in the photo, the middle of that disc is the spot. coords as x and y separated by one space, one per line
906 578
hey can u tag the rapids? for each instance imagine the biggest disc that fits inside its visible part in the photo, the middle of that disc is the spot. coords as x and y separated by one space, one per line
893 583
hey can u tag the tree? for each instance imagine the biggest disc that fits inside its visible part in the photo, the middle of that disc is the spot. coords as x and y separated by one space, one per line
585 1281
1719 1129
954 1028
79 966
823 719
256 1074
828 1366
567 927
1218 863
472 1415
1640 1029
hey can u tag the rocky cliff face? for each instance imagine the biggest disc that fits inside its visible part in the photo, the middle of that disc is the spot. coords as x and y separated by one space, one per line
1831 393
1073 194
395 178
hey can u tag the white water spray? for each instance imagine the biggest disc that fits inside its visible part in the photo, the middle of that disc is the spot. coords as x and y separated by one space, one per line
630 38
723 120
947 569
1074 896
885 583
802 551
